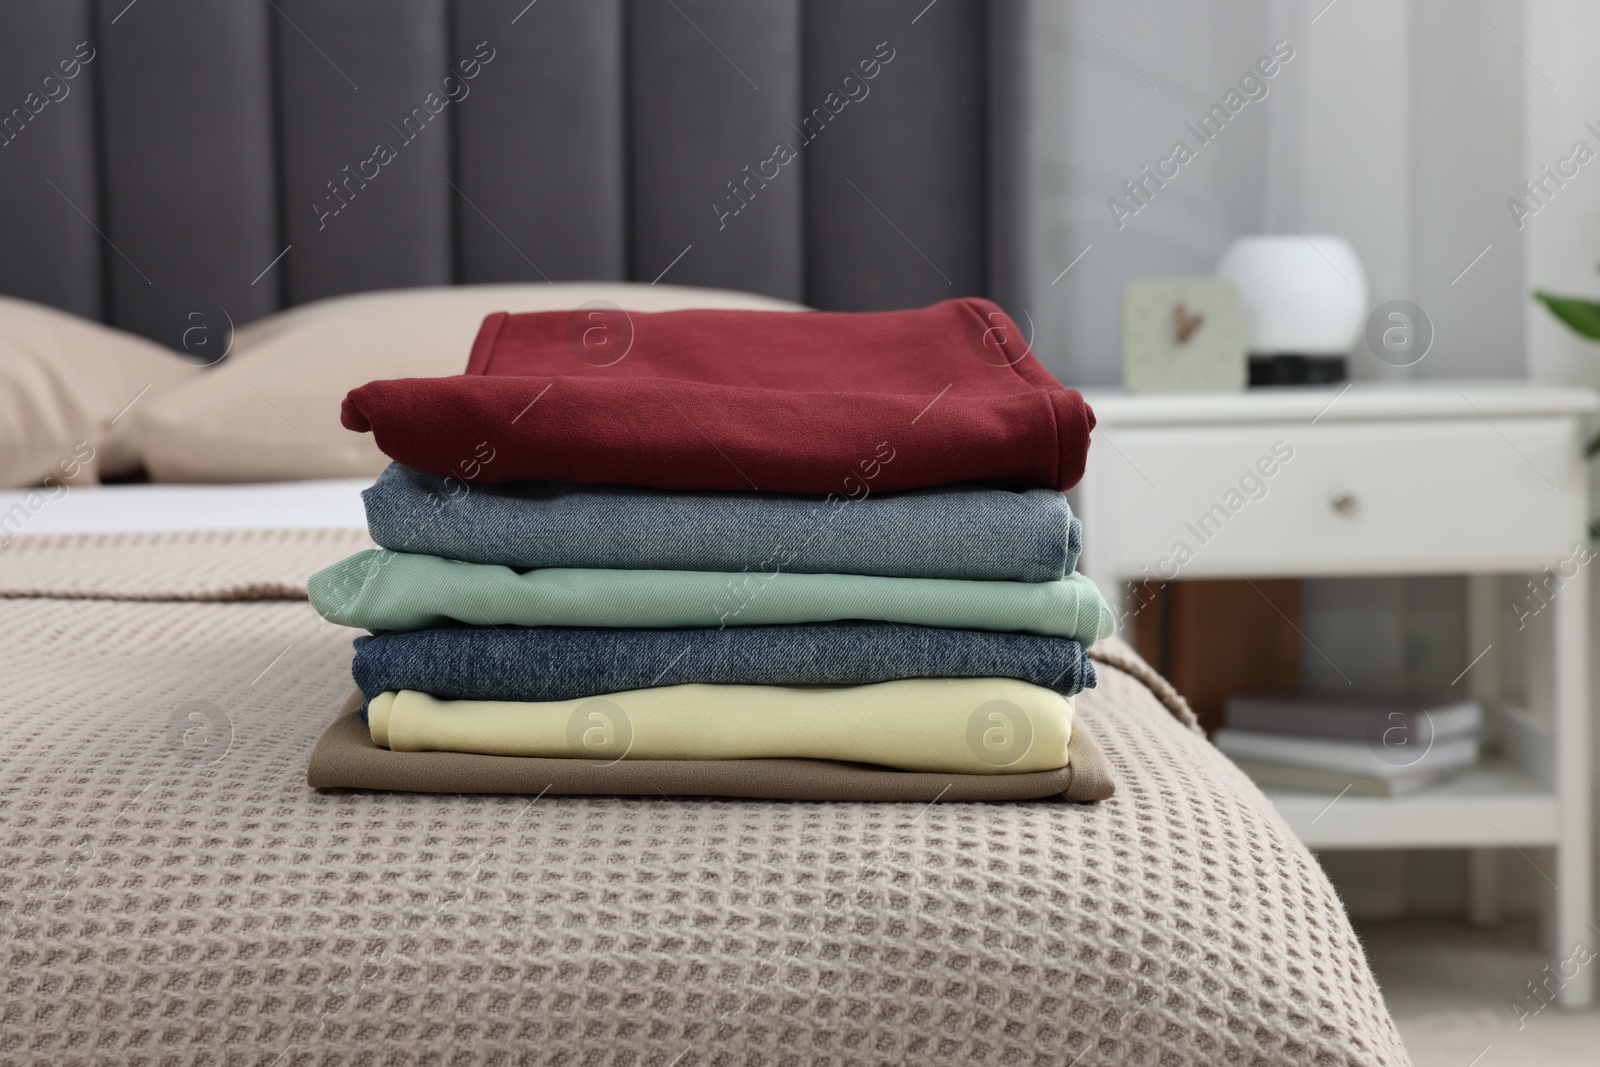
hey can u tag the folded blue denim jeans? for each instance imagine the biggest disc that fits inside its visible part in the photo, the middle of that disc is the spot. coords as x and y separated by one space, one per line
967 532
564 663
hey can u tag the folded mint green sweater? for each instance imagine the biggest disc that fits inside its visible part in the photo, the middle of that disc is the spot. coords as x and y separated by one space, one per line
383 590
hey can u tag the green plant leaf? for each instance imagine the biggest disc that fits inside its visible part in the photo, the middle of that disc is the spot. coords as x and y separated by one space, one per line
1582 315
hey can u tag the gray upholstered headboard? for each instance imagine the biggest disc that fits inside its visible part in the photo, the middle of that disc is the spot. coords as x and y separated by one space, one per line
198 140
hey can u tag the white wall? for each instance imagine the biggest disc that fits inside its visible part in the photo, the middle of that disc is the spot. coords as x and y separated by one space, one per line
1562 241
1340 153
1400 125
1117 82
1468 94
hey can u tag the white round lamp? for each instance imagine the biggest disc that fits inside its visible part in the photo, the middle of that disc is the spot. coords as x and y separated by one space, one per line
1305 303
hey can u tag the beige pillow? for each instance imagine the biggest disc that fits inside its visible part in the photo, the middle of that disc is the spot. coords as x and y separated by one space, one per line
65 388
270 412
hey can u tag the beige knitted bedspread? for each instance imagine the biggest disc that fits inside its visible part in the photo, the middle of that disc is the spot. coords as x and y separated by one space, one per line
171 892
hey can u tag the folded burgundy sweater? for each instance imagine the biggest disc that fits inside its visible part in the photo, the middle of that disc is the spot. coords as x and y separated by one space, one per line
798 402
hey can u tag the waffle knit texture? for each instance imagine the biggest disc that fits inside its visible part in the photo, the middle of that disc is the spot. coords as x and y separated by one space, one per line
172 892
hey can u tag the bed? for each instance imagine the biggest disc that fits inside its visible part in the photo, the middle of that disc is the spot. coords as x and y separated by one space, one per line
171 888
176 893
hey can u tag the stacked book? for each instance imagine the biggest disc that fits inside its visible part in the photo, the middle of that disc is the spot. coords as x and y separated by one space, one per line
1333 745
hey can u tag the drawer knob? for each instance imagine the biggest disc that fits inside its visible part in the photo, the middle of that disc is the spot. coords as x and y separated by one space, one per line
1343 501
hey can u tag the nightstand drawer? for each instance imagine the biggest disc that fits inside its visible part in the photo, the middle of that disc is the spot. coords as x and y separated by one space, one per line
1419 496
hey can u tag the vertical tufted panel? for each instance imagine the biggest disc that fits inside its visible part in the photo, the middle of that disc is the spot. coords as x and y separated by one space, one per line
188 171
714 88
355 83
1010 104
52 253
540 162
602 139
896 186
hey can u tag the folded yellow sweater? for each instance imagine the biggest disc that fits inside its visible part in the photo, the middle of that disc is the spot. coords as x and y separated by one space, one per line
951 725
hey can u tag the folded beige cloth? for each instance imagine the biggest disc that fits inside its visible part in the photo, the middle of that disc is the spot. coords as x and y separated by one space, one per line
942 725
346 758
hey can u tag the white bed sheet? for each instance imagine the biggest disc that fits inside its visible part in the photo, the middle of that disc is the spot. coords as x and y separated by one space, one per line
335 503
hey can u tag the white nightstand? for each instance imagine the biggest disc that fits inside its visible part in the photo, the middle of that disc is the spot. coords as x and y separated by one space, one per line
1481 479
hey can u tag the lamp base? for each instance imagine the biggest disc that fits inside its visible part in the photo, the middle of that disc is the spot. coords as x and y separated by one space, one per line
1296 370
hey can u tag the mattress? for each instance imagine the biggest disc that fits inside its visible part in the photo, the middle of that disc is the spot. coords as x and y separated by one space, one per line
172 891
334 503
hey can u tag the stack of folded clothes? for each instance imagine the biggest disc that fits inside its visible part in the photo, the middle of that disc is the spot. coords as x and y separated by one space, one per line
769 554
